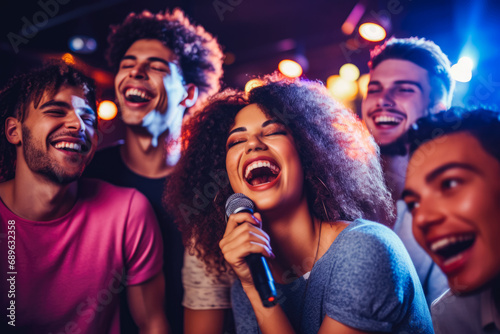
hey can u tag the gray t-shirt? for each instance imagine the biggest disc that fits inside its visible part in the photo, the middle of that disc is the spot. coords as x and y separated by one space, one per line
365 280
472 313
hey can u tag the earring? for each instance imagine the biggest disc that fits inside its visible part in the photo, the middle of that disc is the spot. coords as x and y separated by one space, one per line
322 202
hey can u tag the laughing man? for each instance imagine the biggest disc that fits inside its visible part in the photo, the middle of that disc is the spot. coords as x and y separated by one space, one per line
166 67
72 244
409 78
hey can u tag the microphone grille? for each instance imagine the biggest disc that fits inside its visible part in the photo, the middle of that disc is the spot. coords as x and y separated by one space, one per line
238 202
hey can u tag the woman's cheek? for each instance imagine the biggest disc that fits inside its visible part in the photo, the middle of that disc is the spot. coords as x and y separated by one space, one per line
232 172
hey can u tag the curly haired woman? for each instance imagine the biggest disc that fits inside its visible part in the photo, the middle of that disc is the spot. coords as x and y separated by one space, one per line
314 176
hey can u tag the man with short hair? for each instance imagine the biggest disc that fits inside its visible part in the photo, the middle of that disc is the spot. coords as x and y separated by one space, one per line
409 78
453 193
71 244
166 68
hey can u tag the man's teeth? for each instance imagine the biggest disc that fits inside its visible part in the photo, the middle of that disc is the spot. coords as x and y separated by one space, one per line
445 242
387 119
453 259
261 163
67 145
136 92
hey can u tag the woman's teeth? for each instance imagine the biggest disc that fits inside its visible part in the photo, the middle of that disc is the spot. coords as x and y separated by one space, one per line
259 164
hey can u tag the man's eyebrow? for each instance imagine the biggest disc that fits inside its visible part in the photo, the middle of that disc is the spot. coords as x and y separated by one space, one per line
399 82
161 60
53 103
408 192
409 82
62 104
150 59
129 57
441 169
88 110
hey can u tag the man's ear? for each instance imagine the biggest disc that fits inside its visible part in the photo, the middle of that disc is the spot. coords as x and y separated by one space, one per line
13 130
437 107
192 96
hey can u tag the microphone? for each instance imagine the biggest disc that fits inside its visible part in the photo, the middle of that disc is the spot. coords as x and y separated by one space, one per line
261 275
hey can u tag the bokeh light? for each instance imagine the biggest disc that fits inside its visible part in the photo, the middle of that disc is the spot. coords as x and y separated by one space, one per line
341 89
290 68
82 44
107 110
349 72
68 58
466 62
363 84
76 43
229 58
353 19
251 84
372 32
461 73
462 70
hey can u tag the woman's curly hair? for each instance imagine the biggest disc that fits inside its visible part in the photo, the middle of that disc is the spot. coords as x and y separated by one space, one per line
342 172
30 87
199 54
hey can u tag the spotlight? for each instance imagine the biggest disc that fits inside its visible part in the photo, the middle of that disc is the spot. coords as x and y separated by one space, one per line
372 32
290 68
353 19
76 44
466 62
107 110
82 44
462 70
461 73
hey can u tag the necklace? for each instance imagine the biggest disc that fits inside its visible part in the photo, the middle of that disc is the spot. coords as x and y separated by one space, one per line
308 279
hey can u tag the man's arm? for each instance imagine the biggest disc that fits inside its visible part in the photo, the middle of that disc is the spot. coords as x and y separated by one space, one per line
146 305
204 321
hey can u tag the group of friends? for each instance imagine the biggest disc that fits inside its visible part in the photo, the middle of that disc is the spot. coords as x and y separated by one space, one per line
385 224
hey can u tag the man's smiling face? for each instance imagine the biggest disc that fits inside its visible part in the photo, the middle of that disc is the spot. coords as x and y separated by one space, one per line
453 192
148 80
59 135
398 94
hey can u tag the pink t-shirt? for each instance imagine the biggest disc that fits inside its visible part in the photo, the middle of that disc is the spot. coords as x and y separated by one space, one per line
69 271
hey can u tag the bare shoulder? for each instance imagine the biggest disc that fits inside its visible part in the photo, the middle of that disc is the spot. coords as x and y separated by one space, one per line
331 230
6 191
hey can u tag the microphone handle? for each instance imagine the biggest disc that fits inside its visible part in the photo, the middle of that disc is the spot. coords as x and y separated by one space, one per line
262 279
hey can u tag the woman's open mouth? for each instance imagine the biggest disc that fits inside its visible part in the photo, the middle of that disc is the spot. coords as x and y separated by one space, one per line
260 172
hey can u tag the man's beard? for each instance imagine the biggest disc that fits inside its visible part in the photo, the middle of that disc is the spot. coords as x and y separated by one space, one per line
397 147
39 161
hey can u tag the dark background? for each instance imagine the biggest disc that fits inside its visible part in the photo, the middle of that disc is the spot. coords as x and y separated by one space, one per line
259 33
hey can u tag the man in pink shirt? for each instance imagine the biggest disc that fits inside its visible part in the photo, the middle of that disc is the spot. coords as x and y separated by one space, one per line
69 246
